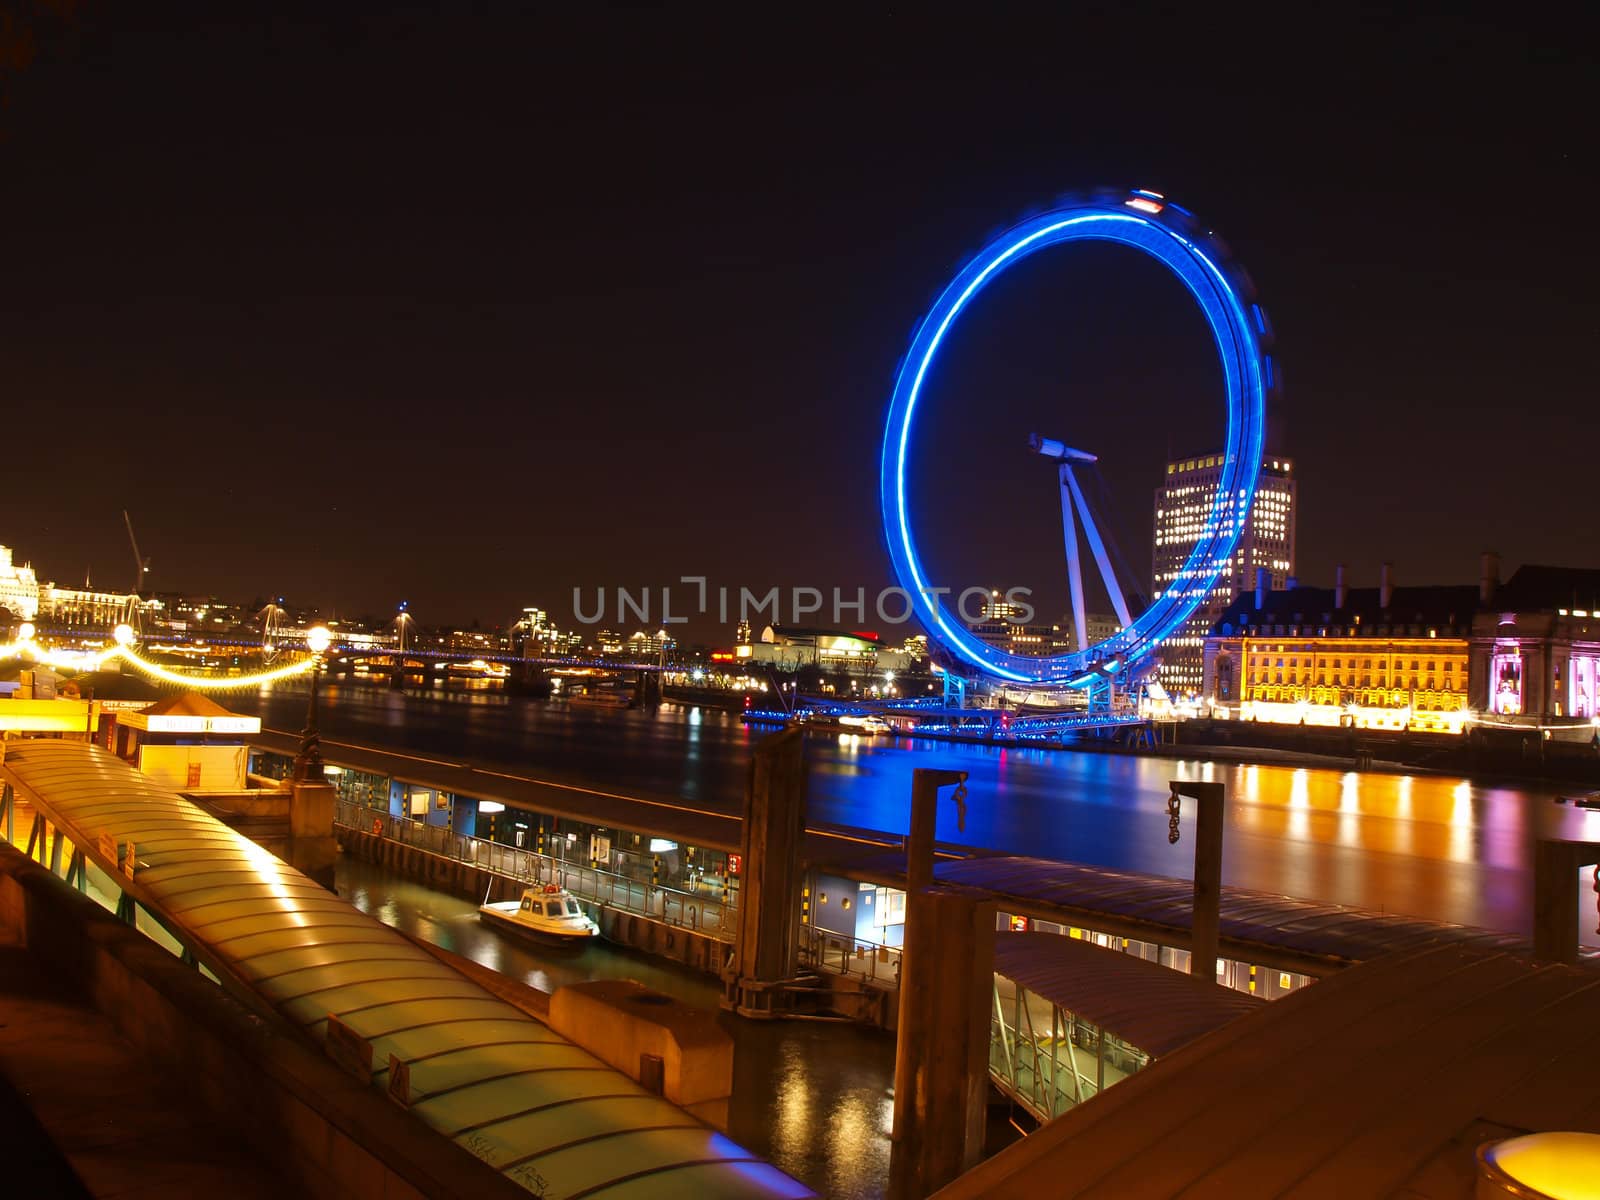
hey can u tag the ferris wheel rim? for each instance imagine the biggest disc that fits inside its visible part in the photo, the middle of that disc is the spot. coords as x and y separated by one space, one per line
1169 234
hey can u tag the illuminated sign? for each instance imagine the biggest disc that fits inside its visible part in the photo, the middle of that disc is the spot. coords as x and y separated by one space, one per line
722 656
166 723
735 864
44 716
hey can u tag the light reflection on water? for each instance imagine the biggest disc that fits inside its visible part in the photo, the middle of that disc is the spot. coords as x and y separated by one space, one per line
809 1097
1432 846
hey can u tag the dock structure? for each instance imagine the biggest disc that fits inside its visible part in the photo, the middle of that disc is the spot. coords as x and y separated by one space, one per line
1383 1080
469 1068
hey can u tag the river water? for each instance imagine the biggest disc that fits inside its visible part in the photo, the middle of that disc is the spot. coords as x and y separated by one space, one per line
1440 847
814 1099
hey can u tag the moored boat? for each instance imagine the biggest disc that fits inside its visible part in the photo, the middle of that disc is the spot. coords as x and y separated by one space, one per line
605 698
547 913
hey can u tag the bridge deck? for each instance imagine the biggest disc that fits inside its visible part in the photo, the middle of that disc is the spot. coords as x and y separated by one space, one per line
482 1073
661 816
1266 928
1261 924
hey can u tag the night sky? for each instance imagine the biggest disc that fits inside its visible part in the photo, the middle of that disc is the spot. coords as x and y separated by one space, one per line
467 304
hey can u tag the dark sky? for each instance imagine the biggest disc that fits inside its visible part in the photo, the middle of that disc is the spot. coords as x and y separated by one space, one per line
469 304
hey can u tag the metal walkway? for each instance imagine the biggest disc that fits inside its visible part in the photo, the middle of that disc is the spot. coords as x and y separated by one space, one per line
1256 926
1380 1081
1072 1018
547 1114
1277 931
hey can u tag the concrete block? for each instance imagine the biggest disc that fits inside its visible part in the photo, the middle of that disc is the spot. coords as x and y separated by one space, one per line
618 1021
311 810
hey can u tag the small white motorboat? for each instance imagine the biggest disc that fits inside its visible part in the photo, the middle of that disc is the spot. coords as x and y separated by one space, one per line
547 913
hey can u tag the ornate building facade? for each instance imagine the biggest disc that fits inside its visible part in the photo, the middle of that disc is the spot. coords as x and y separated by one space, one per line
1526 652
19 587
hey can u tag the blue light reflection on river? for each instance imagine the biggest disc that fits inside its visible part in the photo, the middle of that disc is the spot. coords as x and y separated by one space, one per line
1431 846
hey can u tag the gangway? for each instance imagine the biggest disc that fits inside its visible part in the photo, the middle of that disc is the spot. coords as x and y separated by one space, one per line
1071 1018
545 1113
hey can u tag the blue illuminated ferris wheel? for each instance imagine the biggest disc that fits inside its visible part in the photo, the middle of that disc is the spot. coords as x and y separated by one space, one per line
1148 222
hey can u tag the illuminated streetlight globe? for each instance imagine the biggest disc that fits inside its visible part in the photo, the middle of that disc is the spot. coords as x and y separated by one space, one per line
318 639
122 635
25 632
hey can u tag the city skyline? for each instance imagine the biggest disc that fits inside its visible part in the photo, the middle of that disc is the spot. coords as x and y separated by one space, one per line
608 600
436 361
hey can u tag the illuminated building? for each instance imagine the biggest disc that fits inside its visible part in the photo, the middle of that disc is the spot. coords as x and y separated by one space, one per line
81 607
915 648
472 641
999 625
1182 507
642 645
790 647
1097 628
1536 645
533 635
197 614
1376 658
19 587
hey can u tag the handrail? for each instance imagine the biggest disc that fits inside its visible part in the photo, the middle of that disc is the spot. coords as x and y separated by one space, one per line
704 915
845 954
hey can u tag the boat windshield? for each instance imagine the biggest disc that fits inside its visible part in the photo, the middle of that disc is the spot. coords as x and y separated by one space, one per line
553 909
573 910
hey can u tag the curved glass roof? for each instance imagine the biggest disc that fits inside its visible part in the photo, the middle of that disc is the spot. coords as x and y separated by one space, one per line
543 1111
1152 1007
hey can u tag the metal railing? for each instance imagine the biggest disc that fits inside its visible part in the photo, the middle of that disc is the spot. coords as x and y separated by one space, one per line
842 954
704 914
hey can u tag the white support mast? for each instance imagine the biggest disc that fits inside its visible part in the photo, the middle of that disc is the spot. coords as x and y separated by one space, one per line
1064 457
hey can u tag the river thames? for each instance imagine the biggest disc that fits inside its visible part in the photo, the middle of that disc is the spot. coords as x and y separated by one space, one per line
1434 846
816 1099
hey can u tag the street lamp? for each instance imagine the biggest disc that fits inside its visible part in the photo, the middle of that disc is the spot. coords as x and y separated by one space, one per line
308 763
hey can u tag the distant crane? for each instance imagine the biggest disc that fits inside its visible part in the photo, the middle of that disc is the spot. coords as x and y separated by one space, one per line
133 610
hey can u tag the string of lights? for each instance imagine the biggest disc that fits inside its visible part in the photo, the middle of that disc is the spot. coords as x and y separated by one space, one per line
123 649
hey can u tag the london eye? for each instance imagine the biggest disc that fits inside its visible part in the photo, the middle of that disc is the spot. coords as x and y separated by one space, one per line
1148 222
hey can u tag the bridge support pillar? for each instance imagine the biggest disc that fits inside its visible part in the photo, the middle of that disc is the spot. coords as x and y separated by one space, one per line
941 1071
648 689
766 951
1555 897
941 1076
312 849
